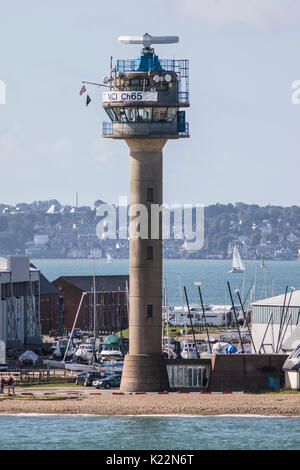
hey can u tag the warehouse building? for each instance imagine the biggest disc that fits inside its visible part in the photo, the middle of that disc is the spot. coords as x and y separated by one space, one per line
110 314
51 308
19 302
274 320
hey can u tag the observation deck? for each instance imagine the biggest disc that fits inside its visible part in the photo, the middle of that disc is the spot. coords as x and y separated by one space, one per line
145 98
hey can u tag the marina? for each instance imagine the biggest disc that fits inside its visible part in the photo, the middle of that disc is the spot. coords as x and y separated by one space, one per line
187 331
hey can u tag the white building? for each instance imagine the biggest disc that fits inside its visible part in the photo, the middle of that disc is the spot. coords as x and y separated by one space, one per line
41 240
19 302
273 321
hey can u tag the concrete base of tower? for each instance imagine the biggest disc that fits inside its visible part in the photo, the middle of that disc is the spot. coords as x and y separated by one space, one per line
144 373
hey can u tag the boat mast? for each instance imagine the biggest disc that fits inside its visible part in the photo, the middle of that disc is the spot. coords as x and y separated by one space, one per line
193 332
204 316
234 312
182 303
75 320
255 280
243 285
167 315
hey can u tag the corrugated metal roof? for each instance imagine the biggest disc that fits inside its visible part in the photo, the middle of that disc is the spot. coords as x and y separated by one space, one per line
279 300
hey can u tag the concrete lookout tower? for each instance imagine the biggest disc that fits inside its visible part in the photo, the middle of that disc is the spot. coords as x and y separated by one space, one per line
143 105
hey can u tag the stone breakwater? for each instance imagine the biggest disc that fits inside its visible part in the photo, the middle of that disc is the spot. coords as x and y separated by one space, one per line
269 404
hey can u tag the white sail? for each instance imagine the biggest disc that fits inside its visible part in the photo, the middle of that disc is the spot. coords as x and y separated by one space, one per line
237 262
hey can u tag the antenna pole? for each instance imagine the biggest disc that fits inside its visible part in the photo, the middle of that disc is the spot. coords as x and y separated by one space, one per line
111 72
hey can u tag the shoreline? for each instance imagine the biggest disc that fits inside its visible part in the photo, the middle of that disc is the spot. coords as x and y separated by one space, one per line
88 415
264 405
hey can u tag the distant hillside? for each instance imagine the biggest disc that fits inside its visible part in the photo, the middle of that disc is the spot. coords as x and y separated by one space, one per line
49 229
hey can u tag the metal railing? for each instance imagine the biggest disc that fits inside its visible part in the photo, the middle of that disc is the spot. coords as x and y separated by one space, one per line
143 128
179 66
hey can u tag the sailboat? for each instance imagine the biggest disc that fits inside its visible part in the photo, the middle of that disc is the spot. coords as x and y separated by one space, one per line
237 262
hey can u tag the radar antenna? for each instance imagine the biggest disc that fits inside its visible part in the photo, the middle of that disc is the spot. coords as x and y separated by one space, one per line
147 40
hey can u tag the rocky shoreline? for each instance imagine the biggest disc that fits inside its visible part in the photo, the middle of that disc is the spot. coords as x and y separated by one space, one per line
269 404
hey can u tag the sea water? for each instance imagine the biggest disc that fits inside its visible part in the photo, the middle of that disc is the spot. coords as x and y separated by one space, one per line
57 432
213 275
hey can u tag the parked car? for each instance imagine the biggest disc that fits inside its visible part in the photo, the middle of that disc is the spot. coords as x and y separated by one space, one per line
112 372
87 377
107 382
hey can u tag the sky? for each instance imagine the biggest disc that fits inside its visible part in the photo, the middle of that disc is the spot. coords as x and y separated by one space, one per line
244 58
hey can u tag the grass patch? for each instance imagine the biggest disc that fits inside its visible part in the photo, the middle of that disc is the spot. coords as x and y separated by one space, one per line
47 385
34 398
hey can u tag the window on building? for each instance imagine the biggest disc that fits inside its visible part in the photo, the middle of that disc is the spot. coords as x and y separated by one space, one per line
149 311
150 253
150 194
187 376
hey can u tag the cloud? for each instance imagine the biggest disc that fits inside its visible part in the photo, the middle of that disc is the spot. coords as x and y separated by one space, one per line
265 15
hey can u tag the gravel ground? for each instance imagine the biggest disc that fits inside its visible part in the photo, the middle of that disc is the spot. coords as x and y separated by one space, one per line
269 404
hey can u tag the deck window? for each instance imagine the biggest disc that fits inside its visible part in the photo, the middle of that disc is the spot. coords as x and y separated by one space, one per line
138 114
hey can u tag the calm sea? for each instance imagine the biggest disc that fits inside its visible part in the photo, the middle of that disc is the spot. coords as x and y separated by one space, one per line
213 275
146 433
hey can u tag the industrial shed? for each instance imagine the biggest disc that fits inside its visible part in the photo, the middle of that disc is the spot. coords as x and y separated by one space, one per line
19 302
273 321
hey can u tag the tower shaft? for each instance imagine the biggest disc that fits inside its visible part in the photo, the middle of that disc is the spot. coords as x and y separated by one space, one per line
144 367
